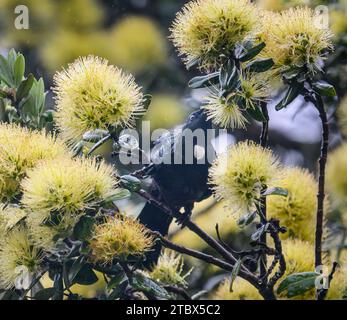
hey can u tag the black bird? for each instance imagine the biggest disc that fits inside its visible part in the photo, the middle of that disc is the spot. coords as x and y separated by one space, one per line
178 185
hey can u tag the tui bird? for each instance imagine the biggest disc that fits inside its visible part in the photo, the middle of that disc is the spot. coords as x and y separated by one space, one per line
178 185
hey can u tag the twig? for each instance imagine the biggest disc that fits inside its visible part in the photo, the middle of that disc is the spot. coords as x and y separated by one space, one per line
207 258
99 144
275 229
264 137
323 293
321 182
193 227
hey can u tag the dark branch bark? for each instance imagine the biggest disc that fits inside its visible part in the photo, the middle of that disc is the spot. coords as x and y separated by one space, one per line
207 258
194 228
264 137
321 182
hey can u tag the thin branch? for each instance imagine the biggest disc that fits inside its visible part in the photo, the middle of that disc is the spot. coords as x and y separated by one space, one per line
275 229
99 144
192 227
321 182
207 258
323 293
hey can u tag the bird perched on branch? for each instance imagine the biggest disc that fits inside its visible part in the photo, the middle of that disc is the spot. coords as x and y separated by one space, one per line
179 167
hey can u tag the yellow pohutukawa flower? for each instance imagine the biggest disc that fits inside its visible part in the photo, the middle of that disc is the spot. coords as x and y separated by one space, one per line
18 257
58 192
20 150
342 116
336 174
299 257
239 175
91 94
45 236
242 290
119 238
224 111
169 269
294 38
228 111
10 216
297 211
206 29
132 50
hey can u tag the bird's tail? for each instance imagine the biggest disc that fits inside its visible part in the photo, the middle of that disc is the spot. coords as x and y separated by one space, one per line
156 220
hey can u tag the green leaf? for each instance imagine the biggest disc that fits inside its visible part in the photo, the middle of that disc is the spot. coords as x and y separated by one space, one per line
276 192
25 87
11 59
246 219
229 76
78 148
145 284
95 135
19 69
5 72
9 295
291 73
202 81
118 290
131 183
235 272
75 269
257 235
252 53
86 276
256 114
324 89
83 230
260 65
292 93
58 287
297 283
48 115
44 294
192 63
227 69
118 194
116 280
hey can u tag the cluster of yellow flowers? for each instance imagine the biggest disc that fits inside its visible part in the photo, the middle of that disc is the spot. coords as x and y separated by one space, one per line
20 150
299 257
294 38
169 269
225 111
206 29
239 175
207 32
297 211
91 94
53 191
58 192
119 237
